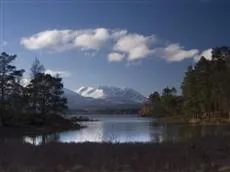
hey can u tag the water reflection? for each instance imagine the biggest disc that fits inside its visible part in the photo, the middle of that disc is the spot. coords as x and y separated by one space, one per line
128 128
175 133
37 140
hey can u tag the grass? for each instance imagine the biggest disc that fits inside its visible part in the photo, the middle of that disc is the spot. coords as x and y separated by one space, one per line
205 155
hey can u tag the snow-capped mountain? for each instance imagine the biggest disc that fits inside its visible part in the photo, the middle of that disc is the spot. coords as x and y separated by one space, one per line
73 98
96 93
118 95
102 97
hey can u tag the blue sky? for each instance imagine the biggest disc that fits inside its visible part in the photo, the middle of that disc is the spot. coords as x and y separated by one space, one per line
145 45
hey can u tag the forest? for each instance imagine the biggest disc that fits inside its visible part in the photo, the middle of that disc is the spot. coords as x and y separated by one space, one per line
205 91
204 94
37 103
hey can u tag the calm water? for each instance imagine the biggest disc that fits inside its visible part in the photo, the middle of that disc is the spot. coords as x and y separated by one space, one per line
128 128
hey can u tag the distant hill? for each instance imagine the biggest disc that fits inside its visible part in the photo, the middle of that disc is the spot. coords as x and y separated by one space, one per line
103 97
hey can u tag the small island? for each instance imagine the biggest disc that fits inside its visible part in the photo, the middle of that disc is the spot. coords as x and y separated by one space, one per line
34 107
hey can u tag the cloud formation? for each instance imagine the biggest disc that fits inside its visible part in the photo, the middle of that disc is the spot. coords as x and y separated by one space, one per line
92 39
175 53
119 43
63 74
206 53
24 82
62 40
115 57
134 45
3 43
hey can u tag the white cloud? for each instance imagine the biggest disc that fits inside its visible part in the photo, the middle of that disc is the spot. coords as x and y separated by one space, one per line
90 54
175 53
119 43
62 40
3 43
206 53
117 33
134 45
63 74
55 40
115 57
24 82
92 39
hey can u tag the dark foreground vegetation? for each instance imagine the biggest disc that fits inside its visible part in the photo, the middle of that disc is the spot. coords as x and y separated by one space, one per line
35 106
205 155
205 92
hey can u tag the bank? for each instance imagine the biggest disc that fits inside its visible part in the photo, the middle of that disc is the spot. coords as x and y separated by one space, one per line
51 124
192 121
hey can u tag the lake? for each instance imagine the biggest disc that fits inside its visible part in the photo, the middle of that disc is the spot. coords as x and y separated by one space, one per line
128 128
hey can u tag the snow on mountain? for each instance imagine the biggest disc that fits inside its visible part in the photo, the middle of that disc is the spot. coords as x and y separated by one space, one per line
77 101
102 97
112 94
90 92
74 99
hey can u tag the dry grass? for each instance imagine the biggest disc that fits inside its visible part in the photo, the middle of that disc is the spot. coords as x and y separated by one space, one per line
208 155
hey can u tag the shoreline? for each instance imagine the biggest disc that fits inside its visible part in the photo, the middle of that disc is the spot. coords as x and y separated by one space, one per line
31 131
80 118
54 124
177 120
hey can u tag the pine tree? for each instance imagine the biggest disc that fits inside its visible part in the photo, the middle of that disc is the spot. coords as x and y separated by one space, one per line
9 83
47 93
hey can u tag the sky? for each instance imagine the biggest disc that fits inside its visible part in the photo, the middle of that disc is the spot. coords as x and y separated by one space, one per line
142 44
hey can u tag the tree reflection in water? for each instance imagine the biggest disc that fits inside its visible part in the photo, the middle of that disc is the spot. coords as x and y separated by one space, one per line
178 133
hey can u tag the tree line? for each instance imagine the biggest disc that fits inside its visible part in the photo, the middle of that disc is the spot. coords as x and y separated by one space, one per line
161 105
32 103
205 90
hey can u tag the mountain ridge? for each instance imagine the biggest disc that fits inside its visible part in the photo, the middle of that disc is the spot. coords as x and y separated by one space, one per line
111 92
103 97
